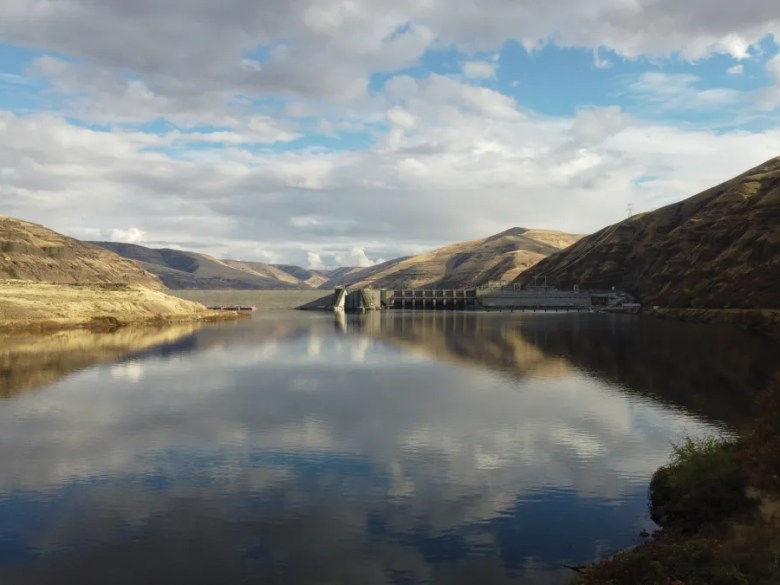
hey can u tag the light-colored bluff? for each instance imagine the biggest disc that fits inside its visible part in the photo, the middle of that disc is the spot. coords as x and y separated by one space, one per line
48 280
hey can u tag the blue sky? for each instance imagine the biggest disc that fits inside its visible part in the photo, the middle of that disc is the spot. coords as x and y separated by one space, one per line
347 132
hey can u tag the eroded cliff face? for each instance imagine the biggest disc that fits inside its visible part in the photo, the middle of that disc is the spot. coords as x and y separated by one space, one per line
717 249
34 253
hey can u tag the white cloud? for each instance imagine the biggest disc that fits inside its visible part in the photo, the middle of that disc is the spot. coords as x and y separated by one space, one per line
314 261
678 91
132 235
599 61
222 173
326 48
355 257
304 221
479 69
738 69
769 98
399 117
457 174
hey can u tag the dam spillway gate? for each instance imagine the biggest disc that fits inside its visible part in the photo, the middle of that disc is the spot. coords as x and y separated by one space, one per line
489 298
367 299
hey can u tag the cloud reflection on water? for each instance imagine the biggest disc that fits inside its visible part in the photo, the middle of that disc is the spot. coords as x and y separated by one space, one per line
450 451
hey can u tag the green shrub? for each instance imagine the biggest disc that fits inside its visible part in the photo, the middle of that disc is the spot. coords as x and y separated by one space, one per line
702 484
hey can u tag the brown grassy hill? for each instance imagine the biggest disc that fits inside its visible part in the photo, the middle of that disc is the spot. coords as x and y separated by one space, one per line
180 269
500 257
314 278
29 251
720 248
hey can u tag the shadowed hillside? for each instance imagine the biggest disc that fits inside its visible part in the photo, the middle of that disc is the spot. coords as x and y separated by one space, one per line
718 249
180 269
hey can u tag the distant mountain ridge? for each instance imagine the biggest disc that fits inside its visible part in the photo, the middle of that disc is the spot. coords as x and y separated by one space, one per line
180 269
34 253
717 249
499 257
465 264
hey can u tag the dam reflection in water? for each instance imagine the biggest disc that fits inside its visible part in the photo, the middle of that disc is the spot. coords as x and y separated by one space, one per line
394 448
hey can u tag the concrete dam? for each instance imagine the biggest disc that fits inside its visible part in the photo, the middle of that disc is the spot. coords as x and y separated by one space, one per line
489 297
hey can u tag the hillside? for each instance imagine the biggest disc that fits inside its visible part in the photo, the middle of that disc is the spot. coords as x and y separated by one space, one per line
717 249
500 257
38 305
31 252
180 269
314 278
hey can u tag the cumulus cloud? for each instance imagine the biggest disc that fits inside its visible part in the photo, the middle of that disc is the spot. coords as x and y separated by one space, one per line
769 98
599 61
679 91
314 261
479 69
240 159
355 257
455 175
737 69
129 236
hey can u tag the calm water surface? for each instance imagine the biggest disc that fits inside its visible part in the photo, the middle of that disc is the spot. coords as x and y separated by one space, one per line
305 448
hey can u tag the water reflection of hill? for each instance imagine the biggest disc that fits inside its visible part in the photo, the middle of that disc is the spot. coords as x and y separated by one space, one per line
29 361
464 338
710 369
714 371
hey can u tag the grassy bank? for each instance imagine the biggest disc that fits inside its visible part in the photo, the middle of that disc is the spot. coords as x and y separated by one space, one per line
718 503
31 306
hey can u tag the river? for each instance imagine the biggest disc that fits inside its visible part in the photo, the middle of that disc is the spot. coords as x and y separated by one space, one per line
398 448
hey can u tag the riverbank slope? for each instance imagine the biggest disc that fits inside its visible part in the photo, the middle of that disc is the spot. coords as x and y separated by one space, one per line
718 503
43 306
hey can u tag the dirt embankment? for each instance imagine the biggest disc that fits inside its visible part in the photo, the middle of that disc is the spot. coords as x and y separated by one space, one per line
42 306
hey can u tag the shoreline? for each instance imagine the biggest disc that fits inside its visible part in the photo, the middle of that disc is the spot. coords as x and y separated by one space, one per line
45 307
106 324
717 502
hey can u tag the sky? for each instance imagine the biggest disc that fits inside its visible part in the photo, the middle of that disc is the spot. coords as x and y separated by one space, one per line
332 132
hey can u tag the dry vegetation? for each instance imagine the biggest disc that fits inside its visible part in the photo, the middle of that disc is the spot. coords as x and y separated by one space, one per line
31 252
28 305
500 257
718 249
51 281
719 505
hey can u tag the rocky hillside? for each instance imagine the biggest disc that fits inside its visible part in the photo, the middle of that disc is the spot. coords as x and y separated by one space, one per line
717 249
500 257
180 269
31 252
